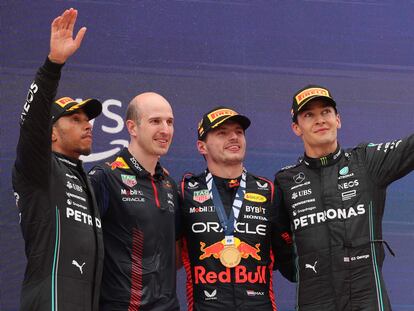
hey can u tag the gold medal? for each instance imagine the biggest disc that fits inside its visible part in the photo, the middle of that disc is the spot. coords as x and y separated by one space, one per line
230 256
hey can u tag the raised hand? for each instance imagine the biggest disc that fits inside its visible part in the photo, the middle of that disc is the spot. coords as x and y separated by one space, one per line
62 44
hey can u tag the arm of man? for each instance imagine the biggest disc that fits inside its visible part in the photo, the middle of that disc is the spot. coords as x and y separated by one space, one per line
282 244
178 259
179 230
390 161
34 146
98 181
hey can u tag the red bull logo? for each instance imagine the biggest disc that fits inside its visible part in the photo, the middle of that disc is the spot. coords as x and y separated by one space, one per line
119 163
246 250
216 248
241 275
211 250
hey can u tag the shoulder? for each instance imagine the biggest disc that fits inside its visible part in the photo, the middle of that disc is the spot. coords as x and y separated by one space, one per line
109 167
259 189
191 182
168 182
290 169
262 183
193 179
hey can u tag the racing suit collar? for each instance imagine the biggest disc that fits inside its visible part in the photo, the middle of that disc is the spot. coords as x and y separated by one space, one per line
73 162
139 170
328 160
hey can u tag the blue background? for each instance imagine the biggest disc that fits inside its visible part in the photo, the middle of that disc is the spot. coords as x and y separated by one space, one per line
250 55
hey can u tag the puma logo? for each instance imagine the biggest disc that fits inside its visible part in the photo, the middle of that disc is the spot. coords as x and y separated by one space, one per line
309 266
75 263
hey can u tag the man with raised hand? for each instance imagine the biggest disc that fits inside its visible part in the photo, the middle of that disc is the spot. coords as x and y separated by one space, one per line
332 202
58 213
137 200
227 223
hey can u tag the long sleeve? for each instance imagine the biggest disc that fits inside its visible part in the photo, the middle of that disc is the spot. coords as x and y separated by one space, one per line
34 146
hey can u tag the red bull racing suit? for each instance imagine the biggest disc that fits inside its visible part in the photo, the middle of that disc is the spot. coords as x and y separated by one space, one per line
210 285
138 221
58 213
334 206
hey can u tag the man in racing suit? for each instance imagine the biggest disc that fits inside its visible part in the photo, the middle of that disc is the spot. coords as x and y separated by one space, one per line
137 200
228 259
333 202
58 213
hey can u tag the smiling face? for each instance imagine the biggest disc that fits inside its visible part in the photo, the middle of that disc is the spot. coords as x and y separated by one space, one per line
152 130
224 145
72 135
317 124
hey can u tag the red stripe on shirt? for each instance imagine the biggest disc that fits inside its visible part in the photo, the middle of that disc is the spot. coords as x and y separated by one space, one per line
187 267
136 270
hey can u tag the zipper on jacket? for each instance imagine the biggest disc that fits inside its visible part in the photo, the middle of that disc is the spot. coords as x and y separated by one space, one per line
154 186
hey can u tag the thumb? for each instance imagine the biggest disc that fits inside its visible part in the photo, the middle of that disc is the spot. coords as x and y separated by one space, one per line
79 36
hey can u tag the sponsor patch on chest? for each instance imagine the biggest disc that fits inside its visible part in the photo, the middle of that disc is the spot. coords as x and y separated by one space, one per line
129 180
201 196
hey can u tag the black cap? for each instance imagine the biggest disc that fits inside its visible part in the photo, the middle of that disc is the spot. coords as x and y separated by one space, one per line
66 105
308 93
217 116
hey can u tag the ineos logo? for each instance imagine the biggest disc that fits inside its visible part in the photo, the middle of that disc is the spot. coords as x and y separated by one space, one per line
349 184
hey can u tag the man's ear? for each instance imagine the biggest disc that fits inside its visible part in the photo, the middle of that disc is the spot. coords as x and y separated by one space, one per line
54 134
338 121
131 127
296 129
201 147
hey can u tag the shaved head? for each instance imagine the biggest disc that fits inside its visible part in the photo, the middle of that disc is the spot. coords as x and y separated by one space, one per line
150 123
143 103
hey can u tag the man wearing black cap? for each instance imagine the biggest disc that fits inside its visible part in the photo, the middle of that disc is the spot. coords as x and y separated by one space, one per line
227 222
332 202
58 213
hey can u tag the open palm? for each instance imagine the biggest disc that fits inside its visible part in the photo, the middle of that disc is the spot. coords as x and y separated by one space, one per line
62 43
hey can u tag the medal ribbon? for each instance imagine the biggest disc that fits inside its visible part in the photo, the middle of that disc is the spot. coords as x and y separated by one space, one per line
227 223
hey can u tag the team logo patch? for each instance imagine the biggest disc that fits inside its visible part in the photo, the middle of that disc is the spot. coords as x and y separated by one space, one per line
192 185
262 186
119 163
210 296
201 196
299 177
129 180
344 170
167 184
254 197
